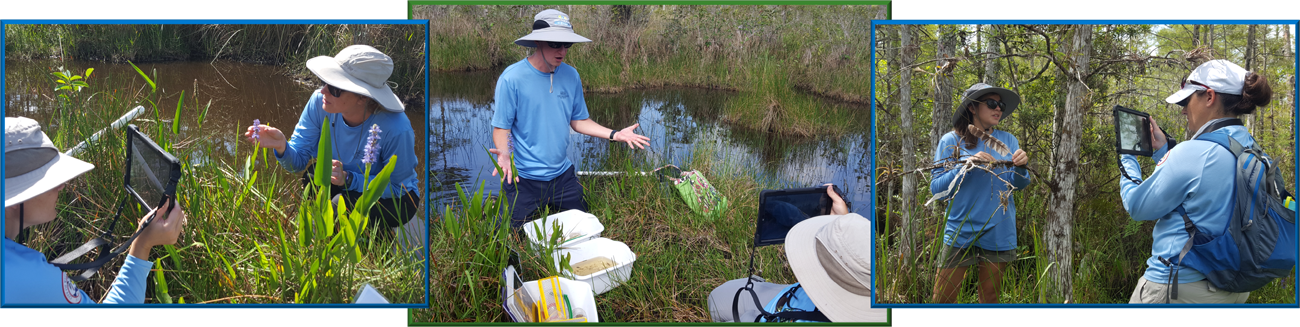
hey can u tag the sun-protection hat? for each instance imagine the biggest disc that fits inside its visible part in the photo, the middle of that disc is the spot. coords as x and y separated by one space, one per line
1009 98
551 26
359 69
831 257
1220 75
32 164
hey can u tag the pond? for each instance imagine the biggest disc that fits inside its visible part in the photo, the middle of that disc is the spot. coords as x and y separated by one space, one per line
677 120
239 93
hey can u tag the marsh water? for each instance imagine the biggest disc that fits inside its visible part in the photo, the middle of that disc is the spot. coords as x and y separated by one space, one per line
239 93
679 121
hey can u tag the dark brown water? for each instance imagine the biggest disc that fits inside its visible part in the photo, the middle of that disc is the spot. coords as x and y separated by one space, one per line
678 121
238 93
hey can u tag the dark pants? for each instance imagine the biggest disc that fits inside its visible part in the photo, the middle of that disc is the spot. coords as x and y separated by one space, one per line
527 196
387 212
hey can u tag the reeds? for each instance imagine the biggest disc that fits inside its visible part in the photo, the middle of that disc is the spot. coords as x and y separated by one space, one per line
243 240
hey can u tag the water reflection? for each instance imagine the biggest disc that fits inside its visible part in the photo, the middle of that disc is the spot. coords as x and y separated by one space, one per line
676 120
238 92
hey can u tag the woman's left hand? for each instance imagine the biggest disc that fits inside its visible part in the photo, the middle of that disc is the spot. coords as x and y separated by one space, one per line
1020 158
838 207
338 176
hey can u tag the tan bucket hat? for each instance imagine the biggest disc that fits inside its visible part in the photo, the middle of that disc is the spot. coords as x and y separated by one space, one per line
831 257
32 164
359 69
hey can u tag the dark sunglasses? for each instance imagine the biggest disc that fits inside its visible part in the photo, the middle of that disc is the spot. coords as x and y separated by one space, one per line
557 45
993 103
336 92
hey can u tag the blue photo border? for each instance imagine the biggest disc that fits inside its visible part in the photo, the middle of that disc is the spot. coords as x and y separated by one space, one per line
1295 156
427 260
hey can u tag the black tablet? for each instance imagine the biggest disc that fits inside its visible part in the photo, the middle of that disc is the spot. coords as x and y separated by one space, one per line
1132 132
152 174
779 210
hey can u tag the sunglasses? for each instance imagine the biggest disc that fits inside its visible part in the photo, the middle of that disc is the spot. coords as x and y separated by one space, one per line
1185 81
992 103
557 45
334 91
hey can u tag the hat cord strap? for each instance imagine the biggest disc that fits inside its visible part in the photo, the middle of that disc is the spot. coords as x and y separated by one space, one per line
552 90
22 234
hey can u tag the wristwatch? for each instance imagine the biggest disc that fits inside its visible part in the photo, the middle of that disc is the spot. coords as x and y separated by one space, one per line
611 134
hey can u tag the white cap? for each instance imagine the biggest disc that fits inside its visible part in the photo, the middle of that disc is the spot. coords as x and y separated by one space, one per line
359 69
1220 75
32 164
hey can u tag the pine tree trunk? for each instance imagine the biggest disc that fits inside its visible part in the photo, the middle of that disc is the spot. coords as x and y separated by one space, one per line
1061 204
991 55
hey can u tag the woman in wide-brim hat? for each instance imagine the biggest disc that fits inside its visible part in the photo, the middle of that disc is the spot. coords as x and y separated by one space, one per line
35 172
368 126
980 229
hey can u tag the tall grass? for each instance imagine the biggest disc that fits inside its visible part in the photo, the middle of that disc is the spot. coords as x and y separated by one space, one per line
681 257
765 52
246 240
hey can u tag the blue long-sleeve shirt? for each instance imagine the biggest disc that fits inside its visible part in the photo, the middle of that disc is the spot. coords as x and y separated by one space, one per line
30 279
975 216
1196 174
396 138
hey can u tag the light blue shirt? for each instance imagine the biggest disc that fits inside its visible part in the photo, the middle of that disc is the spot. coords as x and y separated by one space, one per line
1198 175
538 112
30 279
975 215
799 300
396 138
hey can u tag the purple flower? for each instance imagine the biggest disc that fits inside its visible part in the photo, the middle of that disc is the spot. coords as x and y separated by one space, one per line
372 145
257 128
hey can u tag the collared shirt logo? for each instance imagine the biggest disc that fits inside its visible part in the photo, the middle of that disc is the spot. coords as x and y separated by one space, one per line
70 290
1162 159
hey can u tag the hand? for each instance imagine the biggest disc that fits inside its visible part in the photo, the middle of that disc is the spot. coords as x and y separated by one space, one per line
627 135
983 156
338 176
267 137
1019 158
162 231
838 207
1158 139
503 160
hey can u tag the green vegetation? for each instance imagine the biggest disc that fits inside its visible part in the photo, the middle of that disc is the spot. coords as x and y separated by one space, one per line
288 46
1136 66
681 257
252 236
776 57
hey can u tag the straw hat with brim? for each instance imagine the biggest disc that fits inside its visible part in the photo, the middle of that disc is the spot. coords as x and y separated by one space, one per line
32 164
1009 98
359 69
551 26
1222 76
831 258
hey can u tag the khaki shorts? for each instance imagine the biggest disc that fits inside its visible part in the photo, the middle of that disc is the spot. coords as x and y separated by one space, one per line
1195 292
955 257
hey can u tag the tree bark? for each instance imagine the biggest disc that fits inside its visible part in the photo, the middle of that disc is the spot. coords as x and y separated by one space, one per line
1061 204
941 117
991 54
908 226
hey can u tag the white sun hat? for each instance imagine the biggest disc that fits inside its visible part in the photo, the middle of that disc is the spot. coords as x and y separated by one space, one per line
359 69
551 26
1220 75
831 257
32 164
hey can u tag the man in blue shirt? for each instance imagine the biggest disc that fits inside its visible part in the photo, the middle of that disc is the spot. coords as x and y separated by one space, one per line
537 101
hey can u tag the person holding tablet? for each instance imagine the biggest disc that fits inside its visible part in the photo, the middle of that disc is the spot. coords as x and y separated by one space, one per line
35 173
1192 175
